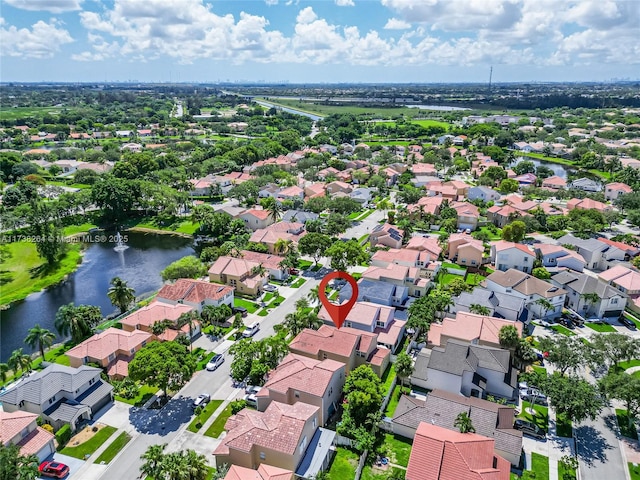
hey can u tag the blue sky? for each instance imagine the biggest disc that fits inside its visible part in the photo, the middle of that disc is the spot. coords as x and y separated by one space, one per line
321 41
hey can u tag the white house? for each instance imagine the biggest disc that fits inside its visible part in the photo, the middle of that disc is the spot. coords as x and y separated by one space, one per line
506 255
483 193
555 257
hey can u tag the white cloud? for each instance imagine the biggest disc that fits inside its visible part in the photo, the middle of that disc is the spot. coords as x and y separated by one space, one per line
396 24
306 15
53 6
43 40
345 3
271 2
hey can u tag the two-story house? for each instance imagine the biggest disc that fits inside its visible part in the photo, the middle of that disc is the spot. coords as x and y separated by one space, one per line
112 349
483 193
542 299
502 305
613 191
465 250
471 328
555 257
256 219
403 256
302 379
627 281
345 345
591 297
372 318
144 318
195 294
274 234
506 255
386 235
597 254
20 429
468 215
60 394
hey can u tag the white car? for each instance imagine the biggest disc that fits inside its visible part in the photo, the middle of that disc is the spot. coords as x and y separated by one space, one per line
251 330
251 398
215 362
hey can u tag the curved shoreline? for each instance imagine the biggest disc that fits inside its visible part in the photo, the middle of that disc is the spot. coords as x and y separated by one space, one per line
158 232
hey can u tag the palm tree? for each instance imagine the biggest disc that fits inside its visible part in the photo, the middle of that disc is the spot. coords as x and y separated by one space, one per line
160 326
272 206
196 465
302 304
479 309
545 304
294 322
188 318
508 336
153 458
313 295
404 366
463 423
19 361
71 320
120 294
41 337
591 299
282 246
4 369
313 321
259 270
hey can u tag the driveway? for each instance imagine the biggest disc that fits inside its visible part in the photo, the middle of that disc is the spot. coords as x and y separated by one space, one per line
74 463
599 448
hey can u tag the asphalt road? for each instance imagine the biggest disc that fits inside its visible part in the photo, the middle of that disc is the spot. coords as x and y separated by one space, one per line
169 423
599 449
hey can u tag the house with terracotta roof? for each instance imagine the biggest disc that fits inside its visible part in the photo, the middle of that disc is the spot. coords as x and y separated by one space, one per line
338 187
404 277
429 244
403 256
468 215
425 206
289 231
463 368
626 280
502 215
373 318
60 394
264 472
279 436
471 328
20 429
291 193
506 255
556 257
490 419
255 219
195 293
613 191
529 288
345 345
386 235
112 349
442 454
554 183
610 302
465 250
438 189
630 251
144 318
588 204
302 379
423 169
314 190
240 274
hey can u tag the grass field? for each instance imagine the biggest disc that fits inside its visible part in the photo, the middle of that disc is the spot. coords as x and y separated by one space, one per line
298 282
562 330
540 465
634 471
144 394
24 272
184 227
217 427
601 327
631 363
344 464
541 418
26 112
397 448
387 377
73 229
241 302
91 445
198 421
393 401
112 450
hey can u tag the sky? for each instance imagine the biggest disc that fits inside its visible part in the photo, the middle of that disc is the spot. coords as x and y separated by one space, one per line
320 41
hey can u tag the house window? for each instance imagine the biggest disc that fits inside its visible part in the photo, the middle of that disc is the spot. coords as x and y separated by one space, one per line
526 259
262 456
473 262
144 343
614 300
417 293
296 394
315 422
25 432
347 324
324 356
303 445
330 391
112 357
380 324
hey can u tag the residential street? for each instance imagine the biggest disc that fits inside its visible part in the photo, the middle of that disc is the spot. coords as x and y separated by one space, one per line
599 449
169 424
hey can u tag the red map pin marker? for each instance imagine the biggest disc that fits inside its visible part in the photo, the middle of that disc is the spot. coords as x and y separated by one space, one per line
338 313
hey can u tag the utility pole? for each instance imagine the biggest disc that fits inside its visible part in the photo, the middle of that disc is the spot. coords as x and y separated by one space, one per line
490 76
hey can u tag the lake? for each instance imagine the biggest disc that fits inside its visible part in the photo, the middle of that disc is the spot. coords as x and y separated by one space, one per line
139 265
560 170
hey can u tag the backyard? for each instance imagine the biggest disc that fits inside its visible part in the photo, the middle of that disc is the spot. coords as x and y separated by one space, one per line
344 464
397 449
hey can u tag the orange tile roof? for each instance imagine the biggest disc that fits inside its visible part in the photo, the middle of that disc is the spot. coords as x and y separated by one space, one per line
470 326
266 259
326 338
261 214
154 312
112 340
194 291
442 454
264 472
11 424
305 374
504 245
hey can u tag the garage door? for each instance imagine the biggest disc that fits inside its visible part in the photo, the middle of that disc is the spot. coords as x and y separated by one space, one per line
45 452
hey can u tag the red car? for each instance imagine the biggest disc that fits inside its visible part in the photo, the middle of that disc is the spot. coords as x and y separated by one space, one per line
53 469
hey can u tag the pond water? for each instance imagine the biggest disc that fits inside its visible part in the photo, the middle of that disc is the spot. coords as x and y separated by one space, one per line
139 265
561 171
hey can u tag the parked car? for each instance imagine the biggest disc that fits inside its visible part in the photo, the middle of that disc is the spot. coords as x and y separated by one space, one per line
530 429
241 310
252 389
251 330
53 469
534 396
627 322
215 362
294 271
270 288
251 398
202 400
566 322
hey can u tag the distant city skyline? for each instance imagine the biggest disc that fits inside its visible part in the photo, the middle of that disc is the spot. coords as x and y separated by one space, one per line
322 41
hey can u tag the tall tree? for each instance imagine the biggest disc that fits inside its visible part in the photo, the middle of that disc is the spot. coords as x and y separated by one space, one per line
567 354
314 244
463 423
19 361
514 232
623 387
40 337
573 396
120 294
404 366
545 306
77 321
188 318
14 466
4 370
346 254
508 336
166 365
272 206
153 457
612 348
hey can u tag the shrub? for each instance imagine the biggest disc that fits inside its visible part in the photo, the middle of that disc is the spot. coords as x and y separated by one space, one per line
198 410
63 435
94 429
47 427
237 405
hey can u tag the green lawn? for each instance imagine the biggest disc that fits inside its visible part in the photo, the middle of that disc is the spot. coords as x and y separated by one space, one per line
354 215
298 282
633 319
73 229
623 422
541 418
217 427
185 226
304 264
563 426
629 364
112 450
344 465
27 112
205 357
263 312
368 473
562 330
388 376
241 302
564 474
144 394
473 279
634 471
24 272
393 402
197 422
397 449
492 236
601 327
447 278
540 466
91 445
